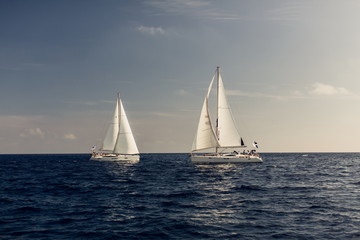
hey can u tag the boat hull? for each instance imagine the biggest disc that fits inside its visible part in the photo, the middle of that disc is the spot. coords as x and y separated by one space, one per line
113 157
226 159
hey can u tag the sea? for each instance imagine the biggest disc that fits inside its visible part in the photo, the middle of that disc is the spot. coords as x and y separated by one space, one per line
165 196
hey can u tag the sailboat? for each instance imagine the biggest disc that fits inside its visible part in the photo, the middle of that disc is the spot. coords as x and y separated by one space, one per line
225 136
119 142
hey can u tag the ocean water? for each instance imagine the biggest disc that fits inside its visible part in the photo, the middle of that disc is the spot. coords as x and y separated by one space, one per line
165 196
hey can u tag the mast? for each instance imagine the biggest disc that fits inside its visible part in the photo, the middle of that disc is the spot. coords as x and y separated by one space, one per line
119 121
119 102
217 105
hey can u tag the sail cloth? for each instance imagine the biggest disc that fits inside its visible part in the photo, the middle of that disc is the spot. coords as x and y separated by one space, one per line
205 136
119 138
112 131
228 135
125 140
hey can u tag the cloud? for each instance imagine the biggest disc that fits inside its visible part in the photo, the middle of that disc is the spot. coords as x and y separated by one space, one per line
193 8
288 11
325 89
89 103
163 114
254 94
23 66
33 132
181 92
317 89
69 136
151 30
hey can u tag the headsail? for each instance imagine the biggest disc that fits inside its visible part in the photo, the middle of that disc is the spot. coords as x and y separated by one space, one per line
205 135
227 132
125 141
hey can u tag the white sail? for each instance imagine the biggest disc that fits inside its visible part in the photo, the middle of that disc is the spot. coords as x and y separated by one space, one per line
228 135
225 136
112 131
205 135
125 140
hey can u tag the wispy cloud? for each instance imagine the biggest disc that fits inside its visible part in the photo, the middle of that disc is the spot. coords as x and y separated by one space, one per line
316 89
24 67
89 103
27 128
194 8
288 12
163 114
254 94
33 132
181 92
151 30
69 136
325 89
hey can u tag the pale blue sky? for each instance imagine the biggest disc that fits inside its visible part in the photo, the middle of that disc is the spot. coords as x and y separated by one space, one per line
291 69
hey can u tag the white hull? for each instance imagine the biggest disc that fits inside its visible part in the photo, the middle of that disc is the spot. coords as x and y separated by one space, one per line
240 158
113 157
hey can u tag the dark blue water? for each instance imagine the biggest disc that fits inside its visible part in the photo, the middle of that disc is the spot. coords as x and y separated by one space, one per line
164 196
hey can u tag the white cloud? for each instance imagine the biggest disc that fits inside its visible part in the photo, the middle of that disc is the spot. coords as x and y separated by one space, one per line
35 132
89 103
23 66
193 8
254 94
316 89
288 11
151 30
325 89
163 114
181 92
297 93
70 136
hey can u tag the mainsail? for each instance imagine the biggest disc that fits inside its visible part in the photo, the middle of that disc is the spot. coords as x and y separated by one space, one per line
112 131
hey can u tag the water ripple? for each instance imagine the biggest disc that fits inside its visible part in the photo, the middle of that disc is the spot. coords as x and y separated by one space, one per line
164 196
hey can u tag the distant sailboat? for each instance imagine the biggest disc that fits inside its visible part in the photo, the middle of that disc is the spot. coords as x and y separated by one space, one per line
224 136
119 142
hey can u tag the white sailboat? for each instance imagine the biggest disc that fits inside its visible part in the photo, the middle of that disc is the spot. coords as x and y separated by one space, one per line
224 136
119 142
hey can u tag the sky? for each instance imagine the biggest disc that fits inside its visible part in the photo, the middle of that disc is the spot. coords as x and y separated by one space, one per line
291 70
